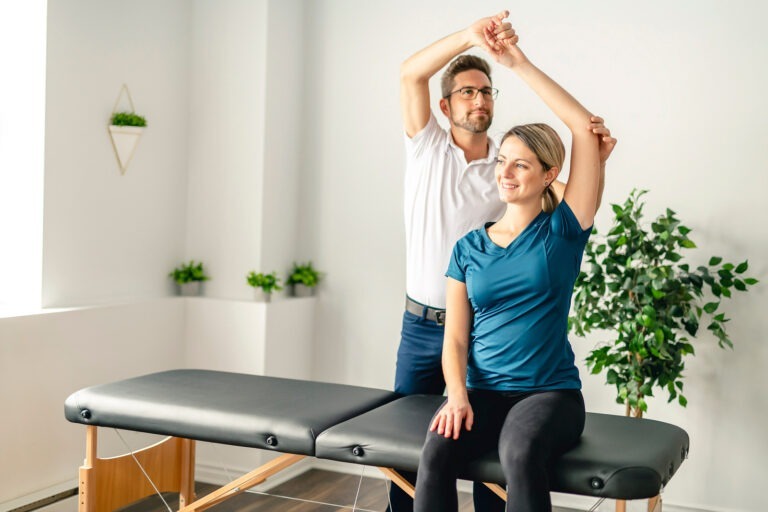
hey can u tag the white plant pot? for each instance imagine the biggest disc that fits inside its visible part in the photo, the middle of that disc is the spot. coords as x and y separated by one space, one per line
260 295
301 290
124 141
191 289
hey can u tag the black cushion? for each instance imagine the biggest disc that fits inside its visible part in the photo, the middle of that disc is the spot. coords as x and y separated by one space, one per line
618 457
285 415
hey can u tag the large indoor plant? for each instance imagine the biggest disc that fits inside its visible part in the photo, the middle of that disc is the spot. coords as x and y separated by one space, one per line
636 283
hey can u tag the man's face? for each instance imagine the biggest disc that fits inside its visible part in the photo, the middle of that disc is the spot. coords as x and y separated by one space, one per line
474 115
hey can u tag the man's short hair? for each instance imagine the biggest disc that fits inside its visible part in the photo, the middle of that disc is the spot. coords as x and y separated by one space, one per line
460 64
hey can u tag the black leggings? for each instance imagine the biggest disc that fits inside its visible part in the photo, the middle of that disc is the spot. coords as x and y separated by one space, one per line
528 429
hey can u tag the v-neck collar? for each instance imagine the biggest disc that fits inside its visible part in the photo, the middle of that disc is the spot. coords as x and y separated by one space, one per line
499 249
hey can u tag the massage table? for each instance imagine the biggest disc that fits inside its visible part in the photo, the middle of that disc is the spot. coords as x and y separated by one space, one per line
617 457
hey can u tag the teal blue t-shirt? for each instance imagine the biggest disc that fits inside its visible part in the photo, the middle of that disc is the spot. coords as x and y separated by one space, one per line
521 296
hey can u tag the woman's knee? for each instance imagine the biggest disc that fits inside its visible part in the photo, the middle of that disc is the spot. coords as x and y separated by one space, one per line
520 454
438 453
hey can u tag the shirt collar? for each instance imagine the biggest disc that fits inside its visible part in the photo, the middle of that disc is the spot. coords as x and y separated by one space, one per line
493 150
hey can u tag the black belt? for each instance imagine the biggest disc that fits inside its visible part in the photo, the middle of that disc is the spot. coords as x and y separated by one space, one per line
437 315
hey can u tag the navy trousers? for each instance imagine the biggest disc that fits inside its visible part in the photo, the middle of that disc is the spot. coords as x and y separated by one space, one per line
419 371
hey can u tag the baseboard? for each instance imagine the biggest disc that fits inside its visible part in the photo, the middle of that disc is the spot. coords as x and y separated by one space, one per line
41 498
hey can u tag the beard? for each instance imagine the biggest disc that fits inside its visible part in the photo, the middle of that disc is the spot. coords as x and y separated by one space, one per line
472 123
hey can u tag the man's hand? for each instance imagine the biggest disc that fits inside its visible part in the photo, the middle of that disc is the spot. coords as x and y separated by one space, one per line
489 33
607 143
501 41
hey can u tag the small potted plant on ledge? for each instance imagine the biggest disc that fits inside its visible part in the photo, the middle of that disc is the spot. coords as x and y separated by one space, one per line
125 129
303 279
264 285
189 278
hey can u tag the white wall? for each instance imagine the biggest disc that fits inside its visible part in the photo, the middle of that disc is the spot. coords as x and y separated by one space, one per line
682 86
245 111
285 98
44 358
109 236
112 238
226 142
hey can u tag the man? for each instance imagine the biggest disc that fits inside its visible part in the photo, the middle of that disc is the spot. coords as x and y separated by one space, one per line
450 189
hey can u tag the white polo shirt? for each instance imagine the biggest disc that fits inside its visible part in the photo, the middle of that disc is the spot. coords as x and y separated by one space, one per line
445 198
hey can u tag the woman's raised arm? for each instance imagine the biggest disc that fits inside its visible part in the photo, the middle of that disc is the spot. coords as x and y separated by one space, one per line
582 190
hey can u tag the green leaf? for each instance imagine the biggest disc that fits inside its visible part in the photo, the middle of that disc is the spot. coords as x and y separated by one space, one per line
711 307
674 257
715 260
616 230
682 400
683 230
743 266
750 281
647 321
688 244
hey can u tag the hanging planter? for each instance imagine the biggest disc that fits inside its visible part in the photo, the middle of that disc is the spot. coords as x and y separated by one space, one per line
125 130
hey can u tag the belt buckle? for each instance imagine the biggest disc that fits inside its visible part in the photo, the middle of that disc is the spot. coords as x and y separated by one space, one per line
440 317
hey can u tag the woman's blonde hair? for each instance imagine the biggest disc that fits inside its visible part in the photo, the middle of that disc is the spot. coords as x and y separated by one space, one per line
548 148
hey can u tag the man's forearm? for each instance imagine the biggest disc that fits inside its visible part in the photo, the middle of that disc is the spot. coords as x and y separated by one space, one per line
422 65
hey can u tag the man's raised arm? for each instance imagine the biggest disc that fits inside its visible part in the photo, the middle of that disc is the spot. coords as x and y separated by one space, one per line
416 71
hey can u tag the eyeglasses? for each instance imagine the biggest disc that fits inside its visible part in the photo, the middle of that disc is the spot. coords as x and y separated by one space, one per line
470 93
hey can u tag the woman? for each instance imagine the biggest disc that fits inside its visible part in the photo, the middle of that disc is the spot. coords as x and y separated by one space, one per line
509 368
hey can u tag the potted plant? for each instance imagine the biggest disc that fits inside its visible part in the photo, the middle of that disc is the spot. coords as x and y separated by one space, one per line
303 279
639 286
125 130
189 278
264 285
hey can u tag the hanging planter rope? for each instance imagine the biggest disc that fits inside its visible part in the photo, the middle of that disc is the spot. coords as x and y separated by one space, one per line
125 130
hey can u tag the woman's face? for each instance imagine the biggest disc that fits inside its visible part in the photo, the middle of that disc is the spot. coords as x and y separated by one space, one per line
520 176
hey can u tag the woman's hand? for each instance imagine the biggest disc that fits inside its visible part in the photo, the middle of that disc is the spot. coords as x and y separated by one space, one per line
449 419
502 45
499 31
